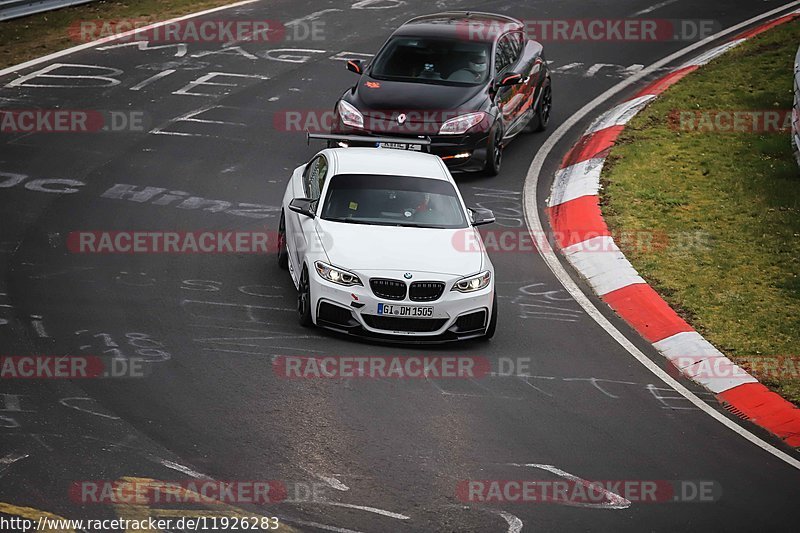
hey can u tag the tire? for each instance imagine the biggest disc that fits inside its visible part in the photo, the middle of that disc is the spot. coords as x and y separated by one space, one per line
493 320
283 252
494 154
541 118
304 301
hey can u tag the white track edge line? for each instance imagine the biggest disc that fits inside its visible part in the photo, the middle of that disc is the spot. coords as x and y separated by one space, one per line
61 53
550 258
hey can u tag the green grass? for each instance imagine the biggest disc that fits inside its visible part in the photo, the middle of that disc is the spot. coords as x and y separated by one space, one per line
728 202
37 35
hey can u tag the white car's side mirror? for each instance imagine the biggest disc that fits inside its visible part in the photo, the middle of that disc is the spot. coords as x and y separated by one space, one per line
304 206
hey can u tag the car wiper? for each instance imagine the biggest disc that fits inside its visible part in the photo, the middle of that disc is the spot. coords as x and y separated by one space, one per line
426 226
389 224
427 81
347 221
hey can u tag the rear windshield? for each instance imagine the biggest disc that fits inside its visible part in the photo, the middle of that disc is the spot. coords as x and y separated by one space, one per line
393 201
426 60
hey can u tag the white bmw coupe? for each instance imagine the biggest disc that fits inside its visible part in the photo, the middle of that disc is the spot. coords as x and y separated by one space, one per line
374 241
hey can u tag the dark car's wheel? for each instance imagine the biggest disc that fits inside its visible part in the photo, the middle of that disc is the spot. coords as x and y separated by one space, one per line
541 118
283 252
494 153
304 300
492 320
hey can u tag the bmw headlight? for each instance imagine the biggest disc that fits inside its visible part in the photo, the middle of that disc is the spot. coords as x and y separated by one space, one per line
350 115
460 124
336 275
473 283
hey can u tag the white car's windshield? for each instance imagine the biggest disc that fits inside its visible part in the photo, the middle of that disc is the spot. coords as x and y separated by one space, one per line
393 201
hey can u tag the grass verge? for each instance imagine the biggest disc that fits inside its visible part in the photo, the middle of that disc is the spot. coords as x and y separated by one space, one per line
37 35
728 205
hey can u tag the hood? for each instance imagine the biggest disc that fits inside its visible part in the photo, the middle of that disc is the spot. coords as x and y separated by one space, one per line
361 247
405 96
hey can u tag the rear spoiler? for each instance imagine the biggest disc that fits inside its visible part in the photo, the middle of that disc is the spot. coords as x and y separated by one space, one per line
372 141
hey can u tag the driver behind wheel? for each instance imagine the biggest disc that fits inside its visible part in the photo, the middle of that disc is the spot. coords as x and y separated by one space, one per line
474 70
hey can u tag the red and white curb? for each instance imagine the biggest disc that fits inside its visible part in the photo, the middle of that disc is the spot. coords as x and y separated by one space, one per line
576 218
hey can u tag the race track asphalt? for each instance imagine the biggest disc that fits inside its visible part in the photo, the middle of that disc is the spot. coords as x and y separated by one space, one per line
211 400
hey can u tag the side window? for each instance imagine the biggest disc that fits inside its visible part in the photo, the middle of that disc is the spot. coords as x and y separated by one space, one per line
518 45
506 54
314 177
501 55
322 173
306 173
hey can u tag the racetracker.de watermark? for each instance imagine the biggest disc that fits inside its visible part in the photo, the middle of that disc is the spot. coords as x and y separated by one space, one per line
193 491
381 367
732 120
70 367
778 367
466 241
595 30
405 121
526 241
137 491
72 121
172 242
126 30
587 493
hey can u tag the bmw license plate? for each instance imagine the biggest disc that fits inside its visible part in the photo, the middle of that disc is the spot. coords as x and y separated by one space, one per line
401 146
409 311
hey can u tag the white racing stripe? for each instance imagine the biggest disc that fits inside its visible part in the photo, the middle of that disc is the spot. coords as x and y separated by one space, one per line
551 258
686 343
694 356
368 509
574 181
10 459
653 7
718 374
620 115
604 266
70 402
614 500
514 523
702 59
331 481
334 483
182 469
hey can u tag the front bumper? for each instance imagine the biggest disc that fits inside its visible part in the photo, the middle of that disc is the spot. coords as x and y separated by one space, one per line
354 310
467 152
